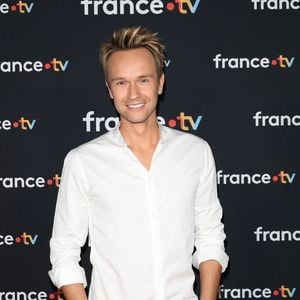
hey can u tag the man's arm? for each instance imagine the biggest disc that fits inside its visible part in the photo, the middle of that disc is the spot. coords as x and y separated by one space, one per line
70 227
210 275
74 292
210 256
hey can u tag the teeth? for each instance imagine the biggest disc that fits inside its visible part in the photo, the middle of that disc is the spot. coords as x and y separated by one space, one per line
135 105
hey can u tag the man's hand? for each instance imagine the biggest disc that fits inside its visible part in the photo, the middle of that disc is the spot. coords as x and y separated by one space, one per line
210 275
74 292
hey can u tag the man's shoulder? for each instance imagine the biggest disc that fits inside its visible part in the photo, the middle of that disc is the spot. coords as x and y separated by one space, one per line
184 137
102 140
186 144
93 146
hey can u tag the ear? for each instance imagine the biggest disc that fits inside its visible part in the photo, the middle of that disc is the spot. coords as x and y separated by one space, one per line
161 84
109 90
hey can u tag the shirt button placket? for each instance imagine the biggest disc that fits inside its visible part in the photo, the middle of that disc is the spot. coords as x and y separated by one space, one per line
155 236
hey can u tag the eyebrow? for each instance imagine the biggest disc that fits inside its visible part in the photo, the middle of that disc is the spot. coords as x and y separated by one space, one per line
123 78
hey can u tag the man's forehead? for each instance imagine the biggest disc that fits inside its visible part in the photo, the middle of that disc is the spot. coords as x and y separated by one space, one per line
131 63
135 53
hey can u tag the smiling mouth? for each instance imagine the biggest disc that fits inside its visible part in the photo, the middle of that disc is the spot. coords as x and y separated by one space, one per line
139 105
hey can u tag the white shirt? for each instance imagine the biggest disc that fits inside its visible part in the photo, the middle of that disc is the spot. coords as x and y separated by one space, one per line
142 225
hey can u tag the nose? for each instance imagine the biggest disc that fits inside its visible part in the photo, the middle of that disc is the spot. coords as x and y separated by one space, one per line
134 91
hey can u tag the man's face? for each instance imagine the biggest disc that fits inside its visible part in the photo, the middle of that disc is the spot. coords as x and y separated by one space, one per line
134 85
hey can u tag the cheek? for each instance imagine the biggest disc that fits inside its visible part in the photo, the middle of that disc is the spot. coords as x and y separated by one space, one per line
152 90
118 94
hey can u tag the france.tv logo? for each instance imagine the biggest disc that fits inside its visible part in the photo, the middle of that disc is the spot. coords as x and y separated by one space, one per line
281 177
30 295
281 292
281 62
55 65
24 239
20 7
141 7
276 4
21 123
30 182
182 122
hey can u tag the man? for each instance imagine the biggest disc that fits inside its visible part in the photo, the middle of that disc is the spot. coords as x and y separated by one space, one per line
144 194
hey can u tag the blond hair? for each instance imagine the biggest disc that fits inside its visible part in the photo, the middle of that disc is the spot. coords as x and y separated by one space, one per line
132 38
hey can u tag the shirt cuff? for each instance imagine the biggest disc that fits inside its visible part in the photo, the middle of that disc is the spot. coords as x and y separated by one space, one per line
210 253
64 276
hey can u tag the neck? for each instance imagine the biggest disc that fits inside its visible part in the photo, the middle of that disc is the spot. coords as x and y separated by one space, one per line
142 135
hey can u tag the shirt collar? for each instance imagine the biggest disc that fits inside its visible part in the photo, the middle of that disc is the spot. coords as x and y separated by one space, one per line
120 139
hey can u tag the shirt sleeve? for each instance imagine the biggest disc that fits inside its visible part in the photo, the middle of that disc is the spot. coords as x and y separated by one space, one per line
70 227
209 230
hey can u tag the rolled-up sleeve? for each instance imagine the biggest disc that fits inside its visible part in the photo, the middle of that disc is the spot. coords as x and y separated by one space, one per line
209 230
70 227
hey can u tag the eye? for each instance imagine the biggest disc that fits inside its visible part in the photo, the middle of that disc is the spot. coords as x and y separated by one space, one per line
144 80
120 82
